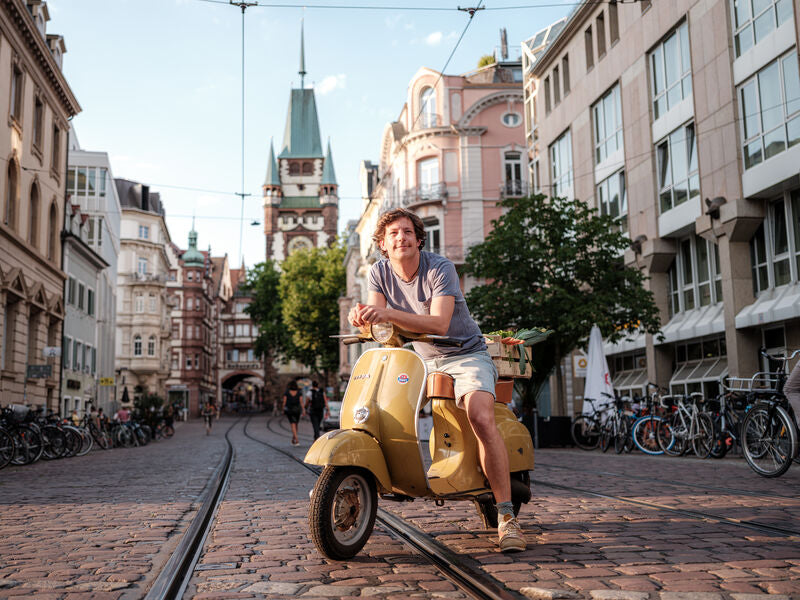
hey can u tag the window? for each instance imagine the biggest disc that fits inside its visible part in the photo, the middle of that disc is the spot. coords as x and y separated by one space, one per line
99 231
38 122
230 330
754 20
250 356
139 303
196 361
600 26
694 278
433 234
90 302
101 179
190 275
52 233
137 345
565 73
512 173
509 119
188 363
770 110
308 168
612 198
699 364
607 114
12 193
33 329
151 346
71 291
56 166
428 177
589 44
77 351
144 232
547 106
176 328
428 108
175 361
66 344
235 355
678 179
671 71
94 361
294 169
153 303
16 93
33 224
613 22
81 293
556 87
141 266
90 232
561 165
533 168
775 247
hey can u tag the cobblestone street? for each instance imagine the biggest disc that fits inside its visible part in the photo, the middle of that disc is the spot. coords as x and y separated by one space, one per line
599 525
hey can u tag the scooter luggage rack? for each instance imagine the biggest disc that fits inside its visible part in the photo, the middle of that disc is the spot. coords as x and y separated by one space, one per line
763 381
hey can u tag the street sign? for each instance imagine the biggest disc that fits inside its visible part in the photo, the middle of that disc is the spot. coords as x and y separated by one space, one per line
39 371
51 351
579 362
106 381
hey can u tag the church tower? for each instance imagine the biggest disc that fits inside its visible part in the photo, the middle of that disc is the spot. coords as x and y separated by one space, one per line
301 197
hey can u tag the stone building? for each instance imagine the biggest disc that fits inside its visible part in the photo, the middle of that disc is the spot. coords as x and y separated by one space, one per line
38 104
682 120
143 326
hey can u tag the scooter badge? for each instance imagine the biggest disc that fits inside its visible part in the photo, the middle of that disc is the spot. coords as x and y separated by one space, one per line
402 378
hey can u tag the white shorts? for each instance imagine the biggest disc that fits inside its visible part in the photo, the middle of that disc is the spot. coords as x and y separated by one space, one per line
472 373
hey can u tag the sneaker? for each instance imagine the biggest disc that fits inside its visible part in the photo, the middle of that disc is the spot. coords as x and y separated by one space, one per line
510 534
295 443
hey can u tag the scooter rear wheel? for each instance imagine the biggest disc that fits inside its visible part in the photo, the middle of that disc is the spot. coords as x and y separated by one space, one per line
342 513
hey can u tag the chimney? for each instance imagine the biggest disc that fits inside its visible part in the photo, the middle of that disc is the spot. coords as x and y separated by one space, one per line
146 197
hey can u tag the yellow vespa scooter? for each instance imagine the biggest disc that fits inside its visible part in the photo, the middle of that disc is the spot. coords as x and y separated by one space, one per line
377 451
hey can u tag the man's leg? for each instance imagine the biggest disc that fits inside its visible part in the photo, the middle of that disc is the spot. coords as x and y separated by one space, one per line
491 448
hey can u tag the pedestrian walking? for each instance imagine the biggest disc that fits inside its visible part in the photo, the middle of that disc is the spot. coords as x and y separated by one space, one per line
208 412
293 409
792 390
316 407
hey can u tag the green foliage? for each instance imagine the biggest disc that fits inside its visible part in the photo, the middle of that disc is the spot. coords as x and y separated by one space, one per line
265 308
310 286
147 405
485 60
556 263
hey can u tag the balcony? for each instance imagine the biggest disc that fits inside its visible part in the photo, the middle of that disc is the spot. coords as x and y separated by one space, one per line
424 194
514 188
428 121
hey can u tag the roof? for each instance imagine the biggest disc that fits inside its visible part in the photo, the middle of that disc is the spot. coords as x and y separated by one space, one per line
217 264
273 174
328 173
136 195
300 202
301 137
193 257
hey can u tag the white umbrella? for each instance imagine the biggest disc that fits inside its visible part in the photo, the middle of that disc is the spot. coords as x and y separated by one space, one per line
598 379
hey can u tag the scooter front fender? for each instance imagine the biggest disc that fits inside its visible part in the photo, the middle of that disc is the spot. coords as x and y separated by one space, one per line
349 447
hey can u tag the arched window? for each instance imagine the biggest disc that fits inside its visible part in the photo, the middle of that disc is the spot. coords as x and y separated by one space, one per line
294 168
52 233
308 168
151 346
137 345
12 193
428 108
33 230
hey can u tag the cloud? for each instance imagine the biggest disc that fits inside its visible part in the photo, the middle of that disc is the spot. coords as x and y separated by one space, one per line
330 83
434 39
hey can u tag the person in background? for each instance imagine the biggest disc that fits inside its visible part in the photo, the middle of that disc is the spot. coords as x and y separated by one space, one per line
292 407
76 420
123 415
208 412
316 406
792 390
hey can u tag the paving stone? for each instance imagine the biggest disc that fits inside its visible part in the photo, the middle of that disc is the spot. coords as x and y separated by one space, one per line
537 593
618 595
331 591
273 587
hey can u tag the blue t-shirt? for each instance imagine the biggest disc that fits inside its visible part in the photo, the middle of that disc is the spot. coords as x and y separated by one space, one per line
436 277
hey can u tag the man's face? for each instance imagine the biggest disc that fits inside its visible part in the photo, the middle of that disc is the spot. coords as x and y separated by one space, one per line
399 239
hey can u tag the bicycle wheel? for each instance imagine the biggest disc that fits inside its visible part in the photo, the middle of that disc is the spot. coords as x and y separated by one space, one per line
54 442
668 441
586 432
621 435
645 435
33 444
769 440
703 439
6 447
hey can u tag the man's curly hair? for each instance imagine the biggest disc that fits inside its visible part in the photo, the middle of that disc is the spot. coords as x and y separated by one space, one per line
390 217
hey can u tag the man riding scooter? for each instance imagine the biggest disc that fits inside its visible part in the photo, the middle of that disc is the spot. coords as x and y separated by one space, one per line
419 291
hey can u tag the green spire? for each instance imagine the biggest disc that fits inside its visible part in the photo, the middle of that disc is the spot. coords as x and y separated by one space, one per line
193 257
273 174
328 174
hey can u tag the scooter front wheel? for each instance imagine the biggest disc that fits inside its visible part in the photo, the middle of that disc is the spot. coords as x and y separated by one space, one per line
342 514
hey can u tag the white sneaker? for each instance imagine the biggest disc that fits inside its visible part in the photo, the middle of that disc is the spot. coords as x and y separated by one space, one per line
510 533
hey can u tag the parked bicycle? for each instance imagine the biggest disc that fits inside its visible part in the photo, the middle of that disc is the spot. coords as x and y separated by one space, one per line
687 426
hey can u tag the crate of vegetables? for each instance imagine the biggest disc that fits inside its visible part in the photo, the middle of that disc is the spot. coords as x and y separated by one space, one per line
512 351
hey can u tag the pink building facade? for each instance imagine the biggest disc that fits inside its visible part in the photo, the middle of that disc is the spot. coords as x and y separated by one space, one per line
456 149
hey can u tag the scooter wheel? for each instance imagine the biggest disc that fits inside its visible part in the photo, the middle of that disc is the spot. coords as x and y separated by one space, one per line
342 513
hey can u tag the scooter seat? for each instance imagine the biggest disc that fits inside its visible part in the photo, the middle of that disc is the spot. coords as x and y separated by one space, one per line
440 385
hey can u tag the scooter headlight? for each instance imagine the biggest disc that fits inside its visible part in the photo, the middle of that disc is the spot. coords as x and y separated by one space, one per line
381 332
360 415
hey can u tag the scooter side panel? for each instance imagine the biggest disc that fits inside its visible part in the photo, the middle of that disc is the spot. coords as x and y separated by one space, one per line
389 381
347 447
517 438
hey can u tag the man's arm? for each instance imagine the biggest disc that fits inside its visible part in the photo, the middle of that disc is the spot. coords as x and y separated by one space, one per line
437 322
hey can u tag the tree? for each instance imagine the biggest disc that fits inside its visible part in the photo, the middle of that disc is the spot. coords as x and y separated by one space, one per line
310 286
556 263
265 310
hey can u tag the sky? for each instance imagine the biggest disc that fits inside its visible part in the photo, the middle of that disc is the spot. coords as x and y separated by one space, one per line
160 87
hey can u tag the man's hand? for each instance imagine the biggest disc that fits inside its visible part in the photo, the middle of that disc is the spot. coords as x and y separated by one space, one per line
362 315
354 316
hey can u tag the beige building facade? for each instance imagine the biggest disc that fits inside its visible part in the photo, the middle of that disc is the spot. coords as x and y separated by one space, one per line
37 103
682 120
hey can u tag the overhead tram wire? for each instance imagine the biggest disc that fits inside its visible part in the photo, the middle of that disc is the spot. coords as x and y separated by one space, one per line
407 8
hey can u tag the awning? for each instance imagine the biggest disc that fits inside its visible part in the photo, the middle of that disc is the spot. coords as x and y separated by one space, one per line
625 380
637 341
694 323
775 304
708 369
